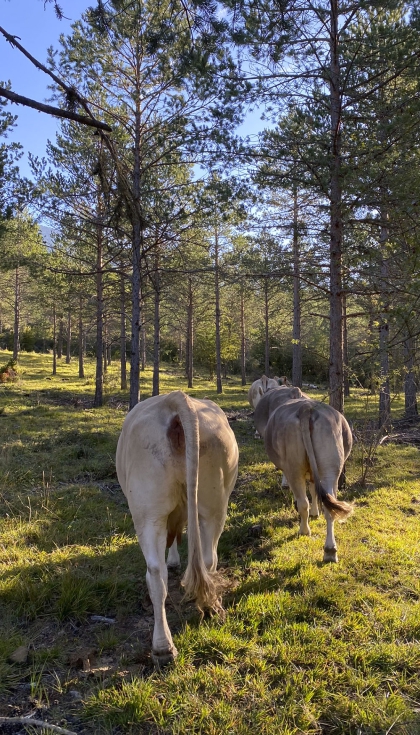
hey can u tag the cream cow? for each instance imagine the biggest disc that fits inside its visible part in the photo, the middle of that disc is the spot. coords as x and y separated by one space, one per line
307 439
257 390
177 462
260 387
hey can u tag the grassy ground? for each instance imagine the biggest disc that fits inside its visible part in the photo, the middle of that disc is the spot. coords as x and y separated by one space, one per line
305 647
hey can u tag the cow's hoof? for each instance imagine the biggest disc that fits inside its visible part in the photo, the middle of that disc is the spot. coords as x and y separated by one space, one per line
313 515
160 660
330 555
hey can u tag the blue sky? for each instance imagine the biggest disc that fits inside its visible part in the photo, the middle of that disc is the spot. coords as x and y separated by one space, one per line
39 28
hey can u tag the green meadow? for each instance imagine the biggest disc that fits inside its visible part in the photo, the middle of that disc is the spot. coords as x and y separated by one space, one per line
305 648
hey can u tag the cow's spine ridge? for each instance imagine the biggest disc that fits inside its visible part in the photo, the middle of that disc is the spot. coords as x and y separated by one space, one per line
199 583
337 508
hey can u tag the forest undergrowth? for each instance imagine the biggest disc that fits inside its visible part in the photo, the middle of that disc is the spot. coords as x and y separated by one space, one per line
305 647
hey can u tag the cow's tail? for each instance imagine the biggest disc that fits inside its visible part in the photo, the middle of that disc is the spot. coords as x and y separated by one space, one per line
338 509
200 584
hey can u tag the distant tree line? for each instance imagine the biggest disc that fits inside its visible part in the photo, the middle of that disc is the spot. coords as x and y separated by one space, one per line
175 240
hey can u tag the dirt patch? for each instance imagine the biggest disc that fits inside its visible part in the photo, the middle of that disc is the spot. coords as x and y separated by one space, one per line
96 652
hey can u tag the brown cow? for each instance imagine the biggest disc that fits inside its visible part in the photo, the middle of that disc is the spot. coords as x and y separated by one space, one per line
307 439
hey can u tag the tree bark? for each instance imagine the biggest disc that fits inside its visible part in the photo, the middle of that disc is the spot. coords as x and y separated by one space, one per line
68 345
384 389
16 327
123 336
156 329
136 263
346 348
219 388
243 338
60 340
99 377
105 345
297 341
410 388
54 368
80 340
336 363
189 348
266 339
143 337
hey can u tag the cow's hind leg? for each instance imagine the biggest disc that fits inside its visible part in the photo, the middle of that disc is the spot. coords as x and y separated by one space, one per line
330 548
298 487
314 510
173 561
210 531
152 539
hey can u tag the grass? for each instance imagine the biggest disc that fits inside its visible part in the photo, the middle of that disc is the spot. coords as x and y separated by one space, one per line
305 647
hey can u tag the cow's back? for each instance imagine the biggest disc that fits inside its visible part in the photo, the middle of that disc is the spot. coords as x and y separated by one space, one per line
272 400
330 434
145 445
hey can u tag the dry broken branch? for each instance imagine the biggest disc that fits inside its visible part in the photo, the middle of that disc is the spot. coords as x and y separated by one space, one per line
57 111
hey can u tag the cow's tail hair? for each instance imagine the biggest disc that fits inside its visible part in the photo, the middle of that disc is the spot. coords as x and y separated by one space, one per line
338 509
199 583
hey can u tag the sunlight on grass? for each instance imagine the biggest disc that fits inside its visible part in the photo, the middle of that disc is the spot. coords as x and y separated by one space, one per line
305 647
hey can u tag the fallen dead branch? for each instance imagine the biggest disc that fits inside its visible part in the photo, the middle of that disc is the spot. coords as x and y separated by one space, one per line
408 437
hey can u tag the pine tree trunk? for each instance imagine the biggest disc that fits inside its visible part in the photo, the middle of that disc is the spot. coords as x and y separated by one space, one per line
123 337
384 390
410 388
190 336
136 277
336 364
143 337
60 340
80 340
346 349
99 378
267 339
243 339
297 342
105 346
219 388
68 345
16 327
156 329
54 368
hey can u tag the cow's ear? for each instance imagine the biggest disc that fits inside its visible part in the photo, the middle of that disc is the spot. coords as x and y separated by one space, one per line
296 393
